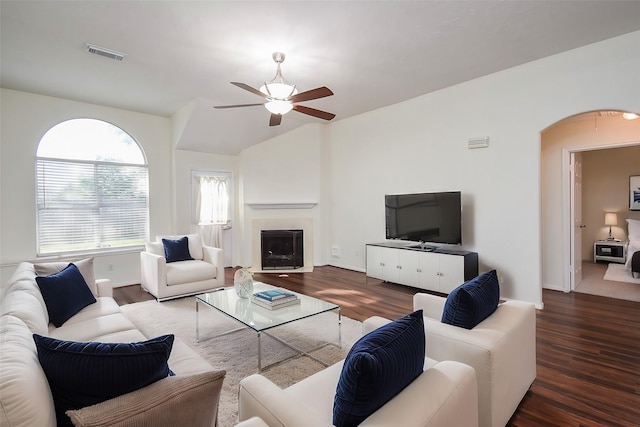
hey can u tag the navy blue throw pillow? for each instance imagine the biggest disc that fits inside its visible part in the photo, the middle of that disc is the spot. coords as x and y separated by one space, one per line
379 366
473 301
176 250
65 293
85 373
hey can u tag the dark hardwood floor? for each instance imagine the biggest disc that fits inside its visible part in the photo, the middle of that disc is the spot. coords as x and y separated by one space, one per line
588 347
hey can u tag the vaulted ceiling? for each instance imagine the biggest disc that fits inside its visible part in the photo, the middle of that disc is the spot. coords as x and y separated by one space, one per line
181 55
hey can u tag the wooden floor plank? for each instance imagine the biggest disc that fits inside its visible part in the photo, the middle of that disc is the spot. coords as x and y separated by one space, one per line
588 347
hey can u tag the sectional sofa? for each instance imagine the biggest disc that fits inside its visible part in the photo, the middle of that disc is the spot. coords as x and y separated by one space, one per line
25 393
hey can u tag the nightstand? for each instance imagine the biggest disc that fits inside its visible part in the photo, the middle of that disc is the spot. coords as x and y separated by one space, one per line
610 250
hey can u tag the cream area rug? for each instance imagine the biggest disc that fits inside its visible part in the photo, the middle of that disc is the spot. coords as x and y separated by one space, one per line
616 283
620 273
237 352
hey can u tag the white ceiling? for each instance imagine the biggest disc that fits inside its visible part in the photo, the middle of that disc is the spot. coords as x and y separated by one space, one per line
181 55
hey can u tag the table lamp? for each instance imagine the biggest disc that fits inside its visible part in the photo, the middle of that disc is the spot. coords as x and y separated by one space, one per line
610 219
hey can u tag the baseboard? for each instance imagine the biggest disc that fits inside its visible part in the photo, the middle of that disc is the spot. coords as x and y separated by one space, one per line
348 267
283 271
122 285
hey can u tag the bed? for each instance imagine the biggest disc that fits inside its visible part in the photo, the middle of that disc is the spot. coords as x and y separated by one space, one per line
633 250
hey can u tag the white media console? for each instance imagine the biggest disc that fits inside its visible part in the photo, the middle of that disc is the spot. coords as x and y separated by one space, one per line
440 270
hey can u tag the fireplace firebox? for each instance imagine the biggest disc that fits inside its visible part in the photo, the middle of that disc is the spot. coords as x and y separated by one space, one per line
282 249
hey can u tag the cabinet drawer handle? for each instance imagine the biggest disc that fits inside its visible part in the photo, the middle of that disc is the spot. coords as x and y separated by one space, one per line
399 267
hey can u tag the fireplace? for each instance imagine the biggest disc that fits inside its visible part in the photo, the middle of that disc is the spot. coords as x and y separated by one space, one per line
282 249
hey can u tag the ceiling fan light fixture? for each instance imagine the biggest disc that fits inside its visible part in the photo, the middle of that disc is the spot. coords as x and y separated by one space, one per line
279 106
630 116
280 97
278 90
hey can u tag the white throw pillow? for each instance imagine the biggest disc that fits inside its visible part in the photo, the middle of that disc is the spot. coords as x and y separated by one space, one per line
84 265
633 230
155 248
25 397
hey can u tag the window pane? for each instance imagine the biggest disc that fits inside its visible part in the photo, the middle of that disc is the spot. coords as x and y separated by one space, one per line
89 139
90 204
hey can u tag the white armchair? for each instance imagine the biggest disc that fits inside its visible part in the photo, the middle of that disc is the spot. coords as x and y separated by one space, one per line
501 349
444 395
166 280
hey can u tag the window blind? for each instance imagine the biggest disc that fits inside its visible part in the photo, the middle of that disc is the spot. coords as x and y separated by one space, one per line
90 205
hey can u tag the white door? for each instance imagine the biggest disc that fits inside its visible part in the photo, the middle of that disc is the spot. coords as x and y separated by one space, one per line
576 217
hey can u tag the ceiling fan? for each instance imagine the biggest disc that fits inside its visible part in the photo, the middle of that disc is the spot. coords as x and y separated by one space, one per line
282 97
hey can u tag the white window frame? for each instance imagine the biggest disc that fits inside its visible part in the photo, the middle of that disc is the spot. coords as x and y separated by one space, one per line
96 207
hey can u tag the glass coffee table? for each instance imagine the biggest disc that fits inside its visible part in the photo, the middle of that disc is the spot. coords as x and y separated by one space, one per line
261 319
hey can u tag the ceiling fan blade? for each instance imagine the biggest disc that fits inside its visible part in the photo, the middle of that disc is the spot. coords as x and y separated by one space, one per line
236 106
313 112
275 119
308 95
249 88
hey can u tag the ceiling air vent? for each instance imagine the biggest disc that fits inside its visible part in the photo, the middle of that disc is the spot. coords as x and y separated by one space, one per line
108 53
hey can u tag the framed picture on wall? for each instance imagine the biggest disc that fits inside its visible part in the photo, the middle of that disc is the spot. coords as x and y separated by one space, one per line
634 193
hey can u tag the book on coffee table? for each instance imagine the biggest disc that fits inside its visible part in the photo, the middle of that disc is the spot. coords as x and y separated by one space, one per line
273 294
285 302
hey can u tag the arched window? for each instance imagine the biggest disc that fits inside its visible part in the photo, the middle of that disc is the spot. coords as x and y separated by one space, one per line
92 188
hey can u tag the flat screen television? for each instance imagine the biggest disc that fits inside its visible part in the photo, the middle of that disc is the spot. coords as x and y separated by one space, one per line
424 217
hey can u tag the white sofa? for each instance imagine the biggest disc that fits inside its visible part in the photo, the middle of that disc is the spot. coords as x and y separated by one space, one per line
444 395
25 396
165 280
252 422
501 349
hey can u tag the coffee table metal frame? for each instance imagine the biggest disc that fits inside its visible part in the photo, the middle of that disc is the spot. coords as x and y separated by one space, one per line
261 319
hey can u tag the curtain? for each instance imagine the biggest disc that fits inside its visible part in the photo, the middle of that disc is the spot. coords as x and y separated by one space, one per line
211 234
212 208
212 200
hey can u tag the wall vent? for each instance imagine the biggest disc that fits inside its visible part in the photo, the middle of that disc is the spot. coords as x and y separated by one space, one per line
481 142
108 53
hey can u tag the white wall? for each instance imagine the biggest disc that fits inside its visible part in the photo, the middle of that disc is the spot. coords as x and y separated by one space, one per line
502 182
421 145
25 118
290 169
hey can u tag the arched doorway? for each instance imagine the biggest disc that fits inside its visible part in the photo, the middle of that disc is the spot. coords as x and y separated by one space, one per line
594 134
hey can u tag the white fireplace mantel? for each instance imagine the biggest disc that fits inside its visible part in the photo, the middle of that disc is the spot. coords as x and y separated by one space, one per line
296 205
